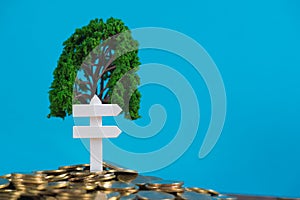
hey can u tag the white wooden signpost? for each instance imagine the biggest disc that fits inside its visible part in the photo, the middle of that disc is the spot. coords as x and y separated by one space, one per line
95 132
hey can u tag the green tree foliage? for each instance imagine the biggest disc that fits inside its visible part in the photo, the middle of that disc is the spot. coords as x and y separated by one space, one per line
107 56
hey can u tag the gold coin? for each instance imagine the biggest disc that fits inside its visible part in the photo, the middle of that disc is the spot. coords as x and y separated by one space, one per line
129 197
196 189
49 177
26 175
37 192
130 191
168 189
6 191
75 196
51 172
67 190
90 180
145 195
116 186
37 187
113 196
90 187
50 198
4 183
72 168
105 177
194 196
116 167
80 173
6 176
79 167
60 177
76 179
160 183
121 170
59 184
143 180
30 181
109 165
126 177
83 186
212 192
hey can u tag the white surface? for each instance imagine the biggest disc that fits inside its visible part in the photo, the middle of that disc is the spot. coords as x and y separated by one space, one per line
95 110
88 110
96 156
96 132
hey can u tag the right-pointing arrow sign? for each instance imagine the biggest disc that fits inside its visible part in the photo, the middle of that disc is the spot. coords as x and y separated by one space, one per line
96 132
96 110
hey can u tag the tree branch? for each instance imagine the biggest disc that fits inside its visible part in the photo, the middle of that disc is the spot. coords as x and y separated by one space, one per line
84 82
86 69
106 98
87 76
109 62
99 66
111 67
101 88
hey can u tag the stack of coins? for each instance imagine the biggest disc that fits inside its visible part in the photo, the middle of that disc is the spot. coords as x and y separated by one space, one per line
125 175
167 186
6 193
54 175
202 191
70 194
141 181
114 183
123 188
189 195
147 195
10 194
29 181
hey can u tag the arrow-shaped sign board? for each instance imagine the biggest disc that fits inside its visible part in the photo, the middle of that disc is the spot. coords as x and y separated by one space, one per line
85 110
95 110
96 132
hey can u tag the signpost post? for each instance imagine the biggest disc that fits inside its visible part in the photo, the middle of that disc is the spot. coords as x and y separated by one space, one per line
95 132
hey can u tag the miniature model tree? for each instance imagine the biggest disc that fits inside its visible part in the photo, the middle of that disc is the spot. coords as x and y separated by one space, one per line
100 58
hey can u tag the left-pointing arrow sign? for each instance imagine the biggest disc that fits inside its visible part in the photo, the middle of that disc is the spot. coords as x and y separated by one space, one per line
96 132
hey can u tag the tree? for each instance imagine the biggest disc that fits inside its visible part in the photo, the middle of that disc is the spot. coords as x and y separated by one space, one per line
100 58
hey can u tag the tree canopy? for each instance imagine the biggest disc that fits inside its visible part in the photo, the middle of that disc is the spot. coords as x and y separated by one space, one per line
100 58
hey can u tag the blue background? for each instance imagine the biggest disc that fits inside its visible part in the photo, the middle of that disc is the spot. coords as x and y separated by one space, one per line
255 45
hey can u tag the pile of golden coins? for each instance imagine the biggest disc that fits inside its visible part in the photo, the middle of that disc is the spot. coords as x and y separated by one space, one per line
77 182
